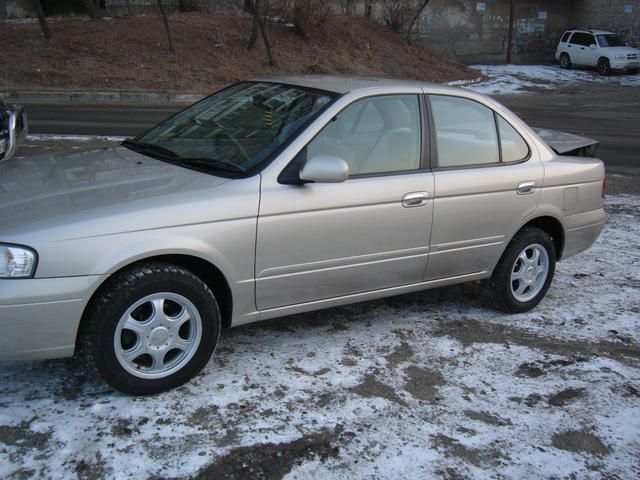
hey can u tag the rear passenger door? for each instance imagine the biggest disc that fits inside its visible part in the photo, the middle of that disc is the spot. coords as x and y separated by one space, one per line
487 181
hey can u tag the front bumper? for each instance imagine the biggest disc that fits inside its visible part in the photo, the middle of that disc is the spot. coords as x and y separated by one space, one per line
625 64
39 317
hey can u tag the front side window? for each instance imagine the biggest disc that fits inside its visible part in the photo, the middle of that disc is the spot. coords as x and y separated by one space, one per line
465 132
233 130
585 39
374 135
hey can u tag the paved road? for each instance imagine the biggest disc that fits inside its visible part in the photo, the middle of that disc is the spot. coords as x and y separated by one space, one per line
609 114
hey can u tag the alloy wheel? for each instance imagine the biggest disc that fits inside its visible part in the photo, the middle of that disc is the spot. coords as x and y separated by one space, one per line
157 335
529 272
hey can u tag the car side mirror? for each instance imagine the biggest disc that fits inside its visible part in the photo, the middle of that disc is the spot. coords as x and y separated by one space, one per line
13 130
593 46
325 169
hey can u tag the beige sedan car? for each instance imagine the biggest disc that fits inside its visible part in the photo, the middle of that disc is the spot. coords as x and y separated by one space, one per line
280 196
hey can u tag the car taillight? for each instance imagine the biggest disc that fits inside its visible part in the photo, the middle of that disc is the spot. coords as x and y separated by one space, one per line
604 186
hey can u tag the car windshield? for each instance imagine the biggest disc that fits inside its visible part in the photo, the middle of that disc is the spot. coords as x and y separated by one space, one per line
610 41
233 130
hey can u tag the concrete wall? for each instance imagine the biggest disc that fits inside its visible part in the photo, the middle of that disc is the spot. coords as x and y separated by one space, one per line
119 6
478 31
612 15
15 8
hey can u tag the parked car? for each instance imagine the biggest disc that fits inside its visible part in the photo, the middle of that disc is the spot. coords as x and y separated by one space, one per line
596 48
13 129
280 196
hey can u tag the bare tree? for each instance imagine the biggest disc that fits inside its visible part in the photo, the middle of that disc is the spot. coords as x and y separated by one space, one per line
129 8
259 10
414 18
350 7
94 12
43 21
396 13
305 14
166 25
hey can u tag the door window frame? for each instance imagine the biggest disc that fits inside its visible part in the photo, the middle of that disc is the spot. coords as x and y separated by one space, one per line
425 151
434 142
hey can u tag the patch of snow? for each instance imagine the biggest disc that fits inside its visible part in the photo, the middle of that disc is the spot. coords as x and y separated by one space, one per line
508 79
39 137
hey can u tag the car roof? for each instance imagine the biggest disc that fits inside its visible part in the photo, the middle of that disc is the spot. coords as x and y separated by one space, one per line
345 84
592 30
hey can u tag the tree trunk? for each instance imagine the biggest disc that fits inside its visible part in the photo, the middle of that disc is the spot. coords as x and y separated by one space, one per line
253 36
91 9
129 8
350 7
166 25
265 38
259 24
415 17
43 21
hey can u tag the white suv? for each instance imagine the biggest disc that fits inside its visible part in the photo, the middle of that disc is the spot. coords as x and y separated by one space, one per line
596 48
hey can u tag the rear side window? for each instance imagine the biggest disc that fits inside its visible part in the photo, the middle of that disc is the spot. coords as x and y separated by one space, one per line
585 39
514 148
465 132
565 37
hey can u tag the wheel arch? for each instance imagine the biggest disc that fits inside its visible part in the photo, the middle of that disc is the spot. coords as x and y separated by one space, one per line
553 227
209 273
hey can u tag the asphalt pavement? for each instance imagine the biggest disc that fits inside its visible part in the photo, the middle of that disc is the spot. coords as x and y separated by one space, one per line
610 114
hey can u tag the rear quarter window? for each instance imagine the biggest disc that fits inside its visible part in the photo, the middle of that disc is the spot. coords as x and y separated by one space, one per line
565 37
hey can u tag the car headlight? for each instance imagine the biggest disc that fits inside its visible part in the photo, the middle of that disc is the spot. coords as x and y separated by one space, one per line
620 57
17 261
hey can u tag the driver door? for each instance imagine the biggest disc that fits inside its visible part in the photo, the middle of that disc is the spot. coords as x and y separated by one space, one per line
324 240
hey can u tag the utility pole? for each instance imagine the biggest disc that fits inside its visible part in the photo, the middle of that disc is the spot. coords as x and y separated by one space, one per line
512 9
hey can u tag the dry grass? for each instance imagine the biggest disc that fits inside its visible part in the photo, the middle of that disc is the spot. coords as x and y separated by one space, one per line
130 53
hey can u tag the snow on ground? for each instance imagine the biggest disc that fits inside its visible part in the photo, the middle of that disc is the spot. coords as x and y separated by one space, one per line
506 79
432 384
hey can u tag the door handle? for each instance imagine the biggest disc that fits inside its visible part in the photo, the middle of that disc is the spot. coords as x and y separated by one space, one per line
525 188
415 199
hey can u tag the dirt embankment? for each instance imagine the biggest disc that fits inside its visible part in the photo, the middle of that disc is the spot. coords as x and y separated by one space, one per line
130 54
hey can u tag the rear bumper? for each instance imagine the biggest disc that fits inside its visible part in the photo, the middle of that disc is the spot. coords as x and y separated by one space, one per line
39 318
582 230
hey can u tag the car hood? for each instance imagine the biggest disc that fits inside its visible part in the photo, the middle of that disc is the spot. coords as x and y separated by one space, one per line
621 50
57 189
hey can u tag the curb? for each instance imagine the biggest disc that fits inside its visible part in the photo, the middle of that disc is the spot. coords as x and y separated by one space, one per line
101 97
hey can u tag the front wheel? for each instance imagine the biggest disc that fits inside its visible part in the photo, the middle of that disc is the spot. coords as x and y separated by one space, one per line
151 329
604 67
524 273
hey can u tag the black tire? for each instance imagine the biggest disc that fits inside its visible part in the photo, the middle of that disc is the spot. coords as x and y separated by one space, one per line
499 289
565 61
97 336
604 67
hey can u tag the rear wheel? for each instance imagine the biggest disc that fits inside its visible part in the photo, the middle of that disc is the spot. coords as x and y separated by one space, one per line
604 67
153 328
525 271
565 61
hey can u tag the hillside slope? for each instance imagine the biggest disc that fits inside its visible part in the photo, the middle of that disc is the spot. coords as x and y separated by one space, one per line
130 53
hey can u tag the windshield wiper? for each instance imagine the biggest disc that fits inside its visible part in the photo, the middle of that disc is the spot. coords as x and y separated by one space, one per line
212 164
173 157
150 148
